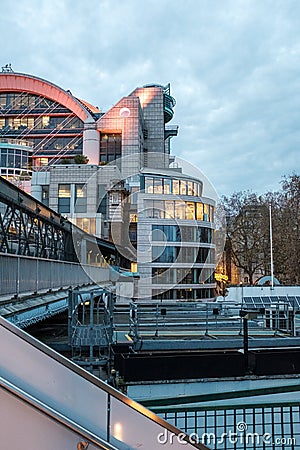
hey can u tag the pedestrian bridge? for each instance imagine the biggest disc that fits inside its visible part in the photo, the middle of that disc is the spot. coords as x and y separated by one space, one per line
51 403
34 289
40 252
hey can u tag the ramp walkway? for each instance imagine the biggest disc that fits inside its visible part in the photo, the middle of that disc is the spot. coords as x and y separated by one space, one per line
49 402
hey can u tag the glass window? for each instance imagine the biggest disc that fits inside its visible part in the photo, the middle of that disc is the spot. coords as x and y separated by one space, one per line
195 191
3 160
203 255
80 198
167 185
159 209
149 185
199 211
188 234
110 147
190 188
148 208
45 121
45 195
205 235
206 213
133 218
169 205
10 161
190 210
158 233
64 191
64 195
158 188
163 254
211 213
80 191
18 162
134 195
43 161
180 210
182 187
2 100
176 187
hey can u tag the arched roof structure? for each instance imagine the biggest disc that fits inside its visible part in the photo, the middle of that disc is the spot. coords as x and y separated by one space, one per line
18 82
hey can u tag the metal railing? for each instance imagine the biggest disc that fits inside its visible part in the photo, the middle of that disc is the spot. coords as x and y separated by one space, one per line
266 426
22 274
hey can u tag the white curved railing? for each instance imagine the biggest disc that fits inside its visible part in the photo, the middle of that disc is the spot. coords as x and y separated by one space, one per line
79 397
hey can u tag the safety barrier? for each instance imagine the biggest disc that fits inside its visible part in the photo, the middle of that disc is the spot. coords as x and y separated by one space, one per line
76 395
22 274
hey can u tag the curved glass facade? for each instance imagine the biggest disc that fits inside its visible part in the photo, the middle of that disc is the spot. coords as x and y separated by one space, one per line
167 185
179 258
15 158
54 130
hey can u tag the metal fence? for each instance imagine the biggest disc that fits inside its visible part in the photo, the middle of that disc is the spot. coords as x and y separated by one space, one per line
21 274
269 426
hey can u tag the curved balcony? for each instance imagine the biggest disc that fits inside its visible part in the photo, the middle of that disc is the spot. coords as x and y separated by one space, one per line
169 103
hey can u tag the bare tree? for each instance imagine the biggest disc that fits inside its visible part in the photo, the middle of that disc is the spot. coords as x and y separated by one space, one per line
248 239
247 232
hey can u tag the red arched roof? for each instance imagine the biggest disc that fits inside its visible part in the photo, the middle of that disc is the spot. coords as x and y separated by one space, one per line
33 85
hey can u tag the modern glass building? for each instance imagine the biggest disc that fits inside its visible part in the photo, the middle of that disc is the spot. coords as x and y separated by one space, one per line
113 175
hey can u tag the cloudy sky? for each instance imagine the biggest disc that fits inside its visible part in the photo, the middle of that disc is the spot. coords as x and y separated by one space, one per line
233 65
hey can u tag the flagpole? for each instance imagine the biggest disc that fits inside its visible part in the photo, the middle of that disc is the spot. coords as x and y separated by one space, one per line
271 248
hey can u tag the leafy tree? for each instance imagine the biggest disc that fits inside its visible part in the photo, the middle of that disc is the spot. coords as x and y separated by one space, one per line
80 159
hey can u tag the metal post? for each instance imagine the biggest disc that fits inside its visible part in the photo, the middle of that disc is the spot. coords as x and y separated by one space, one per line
271 248
156 331
37 276
70 313
18 277
246 346
91 330
108 418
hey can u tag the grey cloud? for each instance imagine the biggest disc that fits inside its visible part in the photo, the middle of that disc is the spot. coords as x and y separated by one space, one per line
233 67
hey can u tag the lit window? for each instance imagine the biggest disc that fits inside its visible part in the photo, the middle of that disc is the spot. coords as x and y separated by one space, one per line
45 121
190 210
64 191
133 267
176 187
190 188
199 211
157 186
80 199
133 217
149 185
206 212
182 187
43 161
